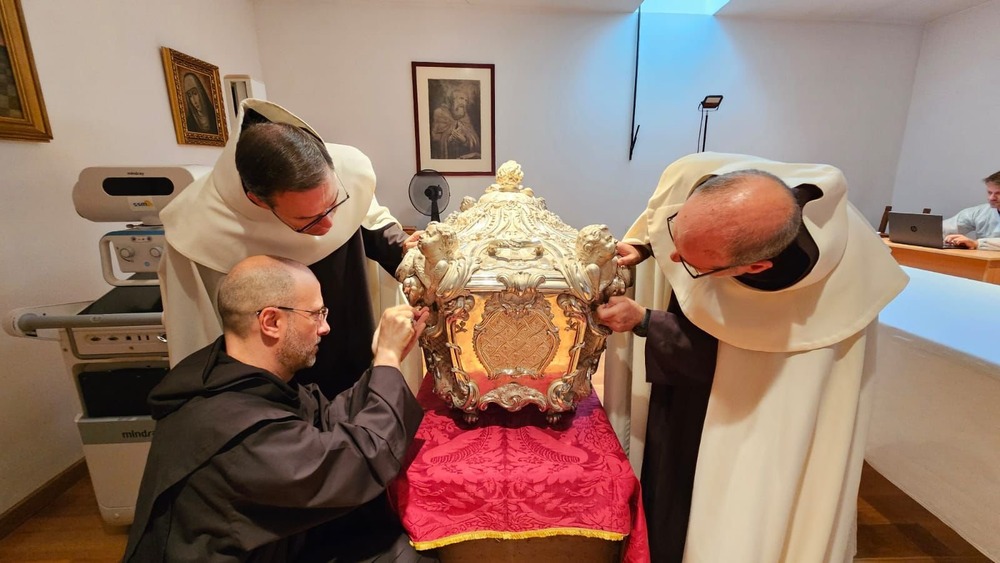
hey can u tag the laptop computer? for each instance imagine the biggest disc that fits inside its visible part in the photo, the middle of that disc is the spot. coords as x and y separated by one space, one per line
918 229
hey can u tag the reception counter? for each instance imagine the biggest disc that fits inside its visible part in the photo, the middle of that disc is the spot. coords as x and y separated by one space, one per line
981 265
935 430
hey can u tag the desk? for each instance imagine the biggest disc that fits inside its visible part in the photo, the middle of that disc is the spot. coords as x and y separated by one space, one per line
512 476
935 427
980 265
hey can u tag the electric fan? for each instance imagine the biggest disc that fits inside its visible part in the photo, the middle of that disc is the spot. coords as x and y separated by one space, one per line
429 193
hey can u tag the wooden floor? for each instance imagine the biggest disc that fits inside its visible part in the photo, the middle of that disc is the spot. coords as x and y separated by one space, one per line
891 528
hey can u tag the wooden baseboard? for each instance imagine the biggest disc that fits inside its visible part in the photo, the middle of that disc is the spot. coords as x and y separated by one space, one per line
42 497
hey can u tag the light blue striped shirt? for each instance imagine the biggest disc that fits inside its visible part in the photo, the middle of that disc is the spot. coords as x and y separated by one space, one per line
981 222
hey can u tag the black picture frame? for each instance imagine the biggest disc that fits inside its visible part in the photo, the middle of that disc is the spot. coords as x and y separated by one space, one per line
454 118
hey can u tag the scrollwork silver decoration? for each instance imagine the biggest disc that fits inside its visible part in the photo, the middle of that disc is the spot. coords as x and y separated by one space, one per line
527 285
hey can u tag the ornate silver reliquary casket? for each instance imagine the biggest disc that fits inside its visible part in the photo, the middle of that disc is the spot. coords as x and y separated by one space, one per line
512 291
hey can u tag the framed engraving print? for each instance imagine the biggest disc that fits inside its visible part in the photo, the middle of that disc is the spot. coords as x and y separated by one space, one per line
453 117
196 102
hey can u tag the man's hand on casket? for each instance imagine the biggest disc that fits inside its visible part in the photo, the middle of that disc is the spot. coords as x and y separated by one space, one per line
397 333
630 255
621 314
411 241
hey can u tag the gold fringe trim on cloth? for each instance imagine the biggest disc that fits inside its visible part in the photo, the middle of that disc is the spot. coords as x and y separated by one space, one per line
494 535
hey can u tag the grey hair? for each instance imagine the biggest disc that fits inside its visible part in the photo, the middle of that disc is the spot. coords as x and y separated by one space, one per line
993 178
754 242
248 290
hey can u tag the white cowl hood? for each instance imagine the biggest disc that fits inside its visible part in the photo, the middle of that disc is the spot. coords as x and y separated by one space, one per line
825 307
240 229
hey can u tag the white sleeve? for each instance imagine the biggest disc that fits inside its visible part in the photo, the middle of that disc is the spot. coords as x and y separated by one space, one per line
378 216
638 234
963 223
989 244
188 291
950 226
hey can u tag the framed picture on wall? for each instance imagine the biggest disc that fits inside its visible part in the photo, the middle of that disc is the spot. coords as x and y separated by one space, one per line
22 110
196 102
453 117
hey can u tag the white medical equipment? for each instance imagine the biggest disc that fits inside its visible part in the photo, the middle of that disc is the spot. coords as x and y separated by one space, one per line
115 347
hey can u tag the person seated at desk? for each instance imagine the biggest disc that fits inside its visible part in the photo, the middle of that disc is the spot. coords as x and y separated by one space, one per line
248 465
981 221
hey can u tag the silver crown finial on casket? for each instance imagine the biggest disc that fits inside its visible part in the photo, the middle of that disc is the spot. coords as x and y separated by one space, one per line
509 176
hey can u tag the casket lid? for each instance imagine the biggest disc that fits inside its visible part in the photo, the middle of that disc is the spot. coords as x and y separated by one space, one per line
508 231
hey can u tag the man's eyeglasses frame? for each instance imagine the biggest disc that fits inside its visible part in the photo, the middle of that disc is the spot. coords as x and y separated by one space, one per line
691 270
318 218
318 316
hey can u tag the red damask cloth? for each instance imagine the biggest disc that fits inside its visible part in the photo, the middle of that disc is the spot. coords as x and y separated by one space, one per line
511 475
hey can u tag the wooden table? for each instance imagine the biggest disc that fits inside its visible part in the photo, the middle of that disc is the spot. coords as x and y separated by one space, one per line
514 488
980 265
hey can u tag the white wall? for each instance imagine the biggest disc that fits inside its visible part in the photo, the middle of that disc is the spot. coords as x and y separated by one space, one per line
563 92
809 92
833 93
103 83
951 133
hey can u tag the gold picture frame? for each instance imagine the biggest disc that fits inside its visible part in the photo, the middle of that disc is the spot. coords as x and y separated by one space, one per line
22 109
196 104
454 118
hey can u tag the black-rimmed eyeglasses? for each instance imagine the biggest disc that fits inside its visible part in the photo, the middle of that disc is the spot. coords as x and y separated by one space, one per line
319 315
320 217
316 220
695 273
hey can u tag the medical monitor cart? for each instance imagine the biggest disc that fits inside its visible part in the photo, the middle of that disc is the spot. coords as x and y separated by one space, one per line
114 347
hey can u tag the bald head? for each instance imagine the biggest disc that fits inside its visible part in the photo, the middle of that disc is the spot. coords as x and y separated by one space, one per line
254 283
748 215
